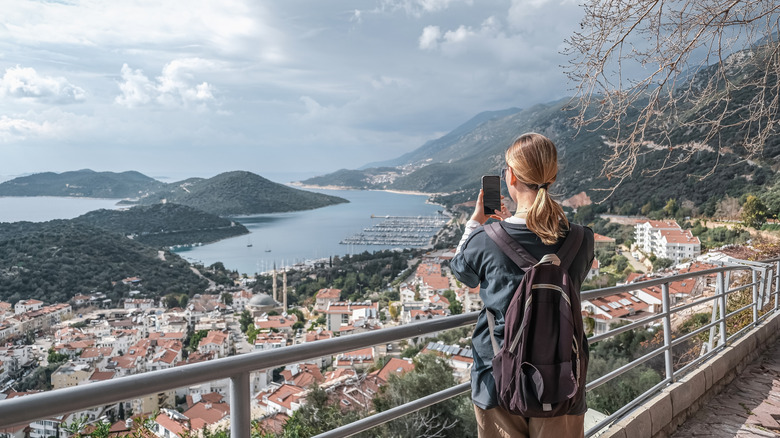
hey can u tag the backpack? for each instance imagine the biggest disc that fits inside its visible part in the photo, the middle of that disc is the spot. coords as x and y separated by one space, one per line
540 369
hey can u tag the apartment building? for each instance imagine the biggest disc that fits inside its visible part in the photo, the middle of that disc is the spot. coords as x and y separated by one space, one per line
666 239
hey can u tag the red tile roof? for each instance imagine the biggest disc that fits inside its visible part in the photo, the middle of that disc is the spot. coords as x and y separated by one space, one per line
599 238
329 294
395 366
307 376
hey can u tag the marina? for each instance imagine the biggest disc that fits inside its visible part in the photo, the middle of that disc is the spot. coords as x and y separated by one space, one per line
406 231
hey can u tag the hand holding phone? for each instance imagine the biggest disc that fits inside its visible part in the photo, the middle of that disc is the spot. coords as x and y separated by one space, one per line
491 194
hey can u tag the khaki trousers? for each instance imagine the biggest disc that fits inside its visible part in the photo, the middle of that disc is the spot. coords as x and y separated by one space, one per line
498 423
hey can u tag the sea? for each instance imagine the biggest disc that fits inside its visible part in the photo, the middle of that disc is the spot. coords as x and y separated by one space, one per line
279 239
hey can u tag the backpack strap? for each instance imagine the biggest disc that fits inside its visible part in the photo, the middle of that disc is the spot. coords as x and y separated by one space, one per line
517 254
571 245
510 246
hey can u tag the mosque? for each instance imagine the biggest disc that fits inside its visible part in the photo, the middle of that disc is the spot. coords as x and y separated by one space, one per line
263 303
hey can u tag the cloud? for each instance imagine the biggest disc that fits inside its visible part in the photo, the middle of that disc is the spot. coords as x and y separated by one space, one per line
13 129
226 28
521 11
357 16
175 87
417 8
26 84
429 39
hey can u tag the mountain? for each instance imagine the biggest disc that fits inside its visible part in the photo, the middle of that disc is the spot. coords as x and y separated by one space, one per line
164 225
82 183
53 261
240 193
452 165
441 149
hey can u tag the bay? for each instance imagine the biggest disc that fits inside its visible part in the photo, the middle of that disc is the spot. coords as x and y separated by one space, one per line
284 239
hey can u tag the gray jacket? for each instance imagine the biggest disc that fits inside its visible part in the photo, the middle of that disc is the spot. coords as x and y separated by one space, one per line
480 262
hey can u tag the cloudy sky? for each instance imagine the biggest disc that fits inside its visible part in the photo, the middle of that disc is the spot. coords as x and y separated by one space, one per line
291 87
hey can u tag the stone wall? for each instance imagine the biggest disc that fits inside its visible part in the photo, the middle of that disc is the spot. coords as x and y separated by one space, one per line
662 414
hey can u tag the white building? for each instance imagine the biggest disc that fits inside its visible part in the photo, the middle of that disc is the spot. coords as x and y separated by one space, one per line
24 306
667 240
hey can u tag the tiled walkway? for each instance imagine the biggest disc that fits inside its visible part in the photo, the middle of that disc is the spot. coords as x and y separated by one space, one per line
748 407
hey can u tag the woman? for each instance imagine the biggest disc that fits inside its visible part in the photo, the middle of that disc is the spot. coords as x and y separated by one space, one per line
540 226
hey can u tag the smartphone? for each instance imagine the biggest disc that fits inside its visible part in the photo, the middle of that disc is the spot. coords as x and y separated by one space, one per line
491 193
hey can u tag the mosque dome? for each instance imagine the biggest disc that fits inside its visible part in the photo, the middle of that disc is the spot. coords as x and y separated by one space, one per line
262 300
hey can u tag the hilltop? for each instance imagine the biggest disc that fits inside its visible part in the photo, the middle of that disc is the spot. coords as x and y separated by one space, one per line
240 193
164 225
83 183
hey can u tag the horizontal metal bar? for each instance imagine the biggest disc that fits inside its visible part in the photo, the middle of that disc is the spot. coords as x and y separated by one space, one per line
678 309
25 409
396 412
741 309
687 336
598 293
624 328
738 288
615 373
699 360
631 405
765 316
740 332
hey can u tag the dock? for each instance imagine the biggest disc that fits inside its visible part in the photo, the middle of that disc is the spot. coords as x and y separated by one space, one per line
406 231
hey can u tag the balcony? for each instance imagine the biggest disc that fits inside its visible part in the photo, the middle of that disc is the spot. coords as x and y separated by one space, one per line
679 390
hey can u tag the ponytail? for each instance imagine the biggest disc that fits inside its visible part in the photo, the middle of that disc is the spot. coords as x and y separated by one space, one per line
546 218
534 161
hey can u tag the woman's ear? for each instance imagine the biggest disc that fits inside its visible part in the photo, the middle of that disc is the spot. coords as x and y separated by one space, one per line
511 178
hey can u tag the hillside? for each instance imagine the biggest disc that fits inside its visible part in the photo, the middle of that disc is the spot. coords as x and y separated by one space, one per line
164 225
240 193
452 165
53 261
82 183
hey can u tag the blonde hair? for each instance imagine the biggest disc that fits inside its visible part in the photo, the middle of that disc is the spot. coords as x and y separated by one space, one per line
533 159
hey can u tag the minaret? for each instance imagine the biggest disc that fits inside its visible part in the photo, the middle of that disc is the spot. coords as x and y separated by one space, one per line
274 283
284 289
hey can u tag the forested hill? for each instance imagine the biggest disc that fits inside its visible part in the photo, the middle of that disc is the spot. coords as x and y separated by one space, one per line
164 225
53 261
227 194
241 193
453 164
82 183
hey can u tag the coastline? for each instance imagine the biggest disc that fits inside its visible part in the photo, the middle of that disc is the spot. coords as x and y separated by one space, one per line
400 192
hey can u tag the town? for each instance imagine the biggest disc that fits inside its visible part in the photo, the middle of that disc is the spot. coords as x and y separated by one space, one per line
91 339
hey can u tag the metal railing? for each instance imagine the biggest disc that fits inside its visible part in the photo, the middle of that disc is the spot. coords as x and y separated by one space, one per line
26 409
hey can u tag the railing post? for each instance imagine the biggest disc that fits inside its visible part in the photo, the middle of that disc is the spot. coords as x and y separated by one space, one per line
713 318
767 283
777 284
667 332
723 286
240 406
755 297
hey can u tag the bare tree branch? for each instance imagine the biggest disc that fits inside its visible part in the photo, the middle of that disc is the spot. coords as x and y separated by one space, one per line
676 75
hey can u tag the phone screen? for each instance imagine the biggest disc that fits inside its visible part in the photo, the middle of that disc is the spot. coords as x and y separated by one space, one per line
491 193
